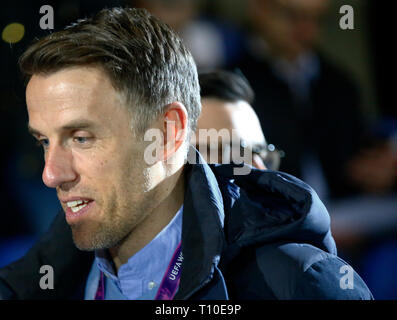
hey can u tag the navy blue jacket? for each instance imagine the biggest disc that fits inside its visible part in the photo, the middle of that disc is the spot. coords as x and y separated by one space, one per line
265 235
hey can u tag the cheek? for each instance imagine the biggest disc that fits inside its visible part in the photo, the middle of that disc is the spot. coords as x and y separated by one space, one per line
94 168
121 170
90 161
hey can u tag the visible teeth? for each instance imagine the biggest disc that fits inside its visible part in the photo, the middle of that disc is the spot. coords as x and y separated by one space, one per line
71 204
78 208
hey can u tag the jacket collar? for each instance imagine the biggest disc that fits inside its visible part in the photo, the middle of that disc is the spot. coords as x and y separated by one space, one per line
202 227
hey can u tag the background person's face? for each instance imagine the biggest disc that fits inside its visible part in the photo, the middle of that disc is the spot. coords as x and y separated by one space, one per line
238 121
290 27
90 153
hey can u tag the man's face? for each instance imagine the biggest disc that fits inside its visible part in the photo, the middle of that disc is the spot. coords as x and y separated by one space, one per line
91 155
234 121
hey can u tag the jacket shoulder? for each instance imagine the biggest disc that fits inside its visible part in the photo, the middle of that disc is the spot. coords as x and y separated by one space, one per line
302 271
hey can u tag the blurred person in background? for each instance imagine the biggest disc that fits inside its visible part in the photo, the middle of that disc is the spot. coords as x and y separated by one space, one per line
213 43
310 107
226 99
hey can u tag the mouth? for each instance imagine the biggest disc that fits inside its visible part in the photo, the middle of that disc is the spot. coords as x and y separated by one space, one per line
77 208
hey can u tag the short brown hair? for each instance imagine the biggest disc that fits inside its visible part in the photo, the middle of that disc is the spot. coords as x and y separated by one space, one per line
143 57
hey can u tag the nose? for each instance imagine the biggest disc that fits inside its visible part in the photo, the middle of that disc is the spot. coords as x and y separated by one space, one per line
58 167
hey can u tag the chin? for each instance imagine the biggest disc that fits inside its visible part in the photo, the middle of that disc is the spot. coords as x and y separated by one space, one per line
84 239
87 239
84 244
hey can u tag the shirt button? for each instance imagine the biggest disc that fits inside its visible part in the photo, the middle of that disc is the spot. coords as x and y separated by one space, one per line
151 285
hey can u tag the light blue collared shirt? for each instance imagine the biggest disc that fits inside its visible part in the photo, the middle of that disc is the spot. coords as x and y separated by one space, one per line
140 277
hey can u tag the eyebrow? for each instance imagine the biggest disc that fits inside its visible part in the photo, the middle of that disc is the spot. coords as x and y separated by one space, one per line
73 125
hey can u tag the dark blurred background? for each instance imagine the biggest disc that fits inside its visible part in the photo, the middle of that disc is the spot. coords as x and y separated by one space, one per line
323 96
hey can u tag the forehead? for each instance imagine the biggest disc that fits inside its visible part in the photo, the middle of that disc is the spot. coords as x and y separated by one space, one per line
237 116
71 92
68 84
215 114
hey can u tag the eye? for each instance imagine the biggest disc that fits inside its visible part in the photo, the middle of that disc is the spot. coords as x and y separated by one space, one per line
43 143
80 140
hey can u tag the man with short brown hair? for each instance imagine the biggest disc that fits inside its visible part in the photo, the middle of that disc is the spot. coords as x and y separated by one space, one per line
166 229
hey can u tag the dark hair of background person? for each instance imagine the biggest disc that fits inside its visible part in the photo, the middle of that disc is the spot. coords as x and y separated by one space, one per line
225 85
232 87
144 58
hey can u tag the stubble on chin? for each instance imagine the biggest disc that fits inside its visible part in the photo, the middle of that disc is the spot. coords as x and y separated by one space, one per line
96 235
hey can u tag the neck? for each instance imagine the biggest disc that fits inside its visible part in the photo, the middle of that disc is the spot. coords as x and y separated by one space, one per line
171 199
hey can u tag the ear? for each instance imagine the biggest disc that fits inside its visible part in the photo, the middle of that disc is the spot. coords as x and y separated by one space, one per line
175 125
